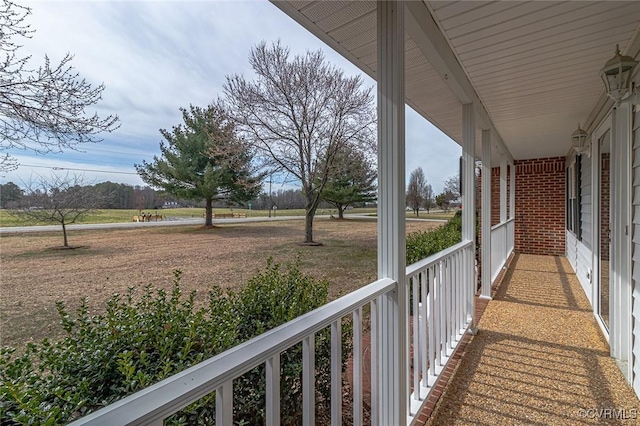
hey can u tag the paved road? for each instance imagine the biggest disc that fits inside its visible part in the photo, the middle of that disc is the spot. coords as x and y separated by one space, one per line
170 222
173 222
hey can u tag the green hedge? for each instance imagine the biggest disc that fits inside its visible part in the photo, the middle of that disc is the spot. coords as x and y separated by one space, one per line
425 243
142 340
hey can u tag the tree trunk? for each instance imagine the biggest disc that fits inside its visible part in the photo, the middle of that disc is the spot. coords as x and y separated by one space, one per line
416 212
208 213
341 210
64 235
308 225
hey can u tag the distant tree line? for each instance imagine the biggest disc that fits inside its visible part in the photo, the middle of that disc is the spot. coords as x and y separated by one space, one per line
122 196
111 195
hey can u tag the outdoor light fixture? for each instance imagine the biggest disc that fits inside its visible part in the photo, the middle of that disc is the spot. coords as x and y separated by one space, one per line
579 142
617 76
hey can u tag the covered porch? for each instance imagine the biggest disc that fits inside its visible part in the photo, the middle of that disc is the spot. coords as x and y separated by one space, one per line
508 81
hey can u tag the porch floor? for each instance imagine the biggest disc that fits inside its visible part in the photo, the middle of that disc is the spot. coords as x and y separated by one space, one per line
539 357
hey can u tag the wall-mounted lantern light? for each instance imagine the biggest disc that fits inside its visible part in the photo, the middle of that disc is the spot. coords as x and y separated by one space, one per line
580 143
617 76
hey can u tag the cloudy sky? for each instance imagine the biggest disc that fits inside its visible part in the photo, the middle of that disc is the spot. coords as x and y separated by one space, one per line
157 56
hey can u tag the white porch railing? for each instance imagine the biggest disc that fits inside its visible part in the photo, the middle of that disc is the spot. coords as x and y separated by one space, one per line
502 242
442 291
441 295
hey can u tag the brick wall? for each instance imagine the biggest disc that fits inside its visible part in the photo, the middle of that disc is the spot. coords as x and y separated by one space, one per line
495 194
540 206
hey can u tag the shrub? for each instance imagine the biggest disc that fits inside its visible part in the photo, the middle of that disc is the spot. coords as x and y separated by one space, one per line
139 341
271 298
425 243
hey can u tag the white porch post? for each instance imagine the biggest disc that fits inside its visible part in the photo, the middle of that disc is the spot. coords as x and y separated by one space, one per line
469 200
503 190
486 214
392 375
512 192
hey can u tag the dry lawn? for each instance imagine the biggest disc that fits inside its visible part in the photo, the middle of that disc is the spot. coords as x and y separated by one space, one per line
34 275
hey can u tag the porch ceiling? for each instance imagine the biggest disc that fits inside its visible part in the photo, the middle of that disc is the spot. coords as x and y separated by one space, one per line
534 65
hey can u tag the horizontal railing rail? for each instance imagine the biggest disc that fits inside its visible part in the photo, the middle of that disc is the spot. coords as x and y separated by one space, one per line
437 257
155 403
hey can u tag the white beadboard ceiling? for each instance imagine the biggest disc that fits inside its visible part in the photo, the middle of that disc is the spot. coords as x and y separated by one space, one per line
534 65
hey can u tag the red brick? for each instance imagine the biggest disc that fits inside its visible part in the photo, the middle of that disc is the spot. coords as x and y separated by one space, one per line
540 205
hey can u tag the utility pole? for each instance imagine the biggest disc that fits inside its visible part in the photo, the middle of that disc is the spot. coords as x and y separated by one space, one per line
270 198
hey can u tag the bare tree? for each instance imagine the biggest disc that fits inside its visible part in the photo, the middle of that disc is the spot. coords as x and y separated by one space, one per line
452 187
428 197
298 113
42 110
416 190
59 199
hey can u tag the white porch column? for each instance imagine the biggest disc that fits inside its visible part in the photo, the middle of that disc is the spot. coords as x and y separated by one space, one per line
503 189
392 406
486 214
512 192
469 199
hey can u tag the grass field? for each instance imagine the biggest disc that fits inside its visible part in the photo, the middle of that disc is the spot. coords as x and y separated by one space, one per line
118 216
35 274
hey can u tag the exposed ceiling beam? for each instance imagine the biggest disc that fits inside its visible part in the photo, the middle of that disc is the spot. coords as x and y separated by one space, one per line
424 31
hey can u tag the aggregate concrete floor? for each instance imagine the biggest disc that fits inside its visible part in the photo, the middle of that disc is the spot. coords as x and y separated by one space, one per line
539 358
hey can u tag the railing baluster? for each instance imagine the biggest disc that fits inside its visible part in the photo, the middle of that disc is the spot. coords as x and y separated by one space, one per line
273 390
437 316
431 321
336 372
416 338
375 329
447 305
224 403
308 380
442 347
424 333
451 332
460 283
446 288
357 367
455 320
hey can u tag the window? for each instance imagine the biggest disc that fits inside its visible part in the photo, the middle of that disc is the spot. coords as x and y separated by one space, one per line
574 219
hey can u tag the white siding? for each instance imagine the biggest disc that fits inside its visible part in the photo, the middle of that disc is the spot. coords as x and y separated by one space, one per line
635 248
586 196
584 268
584 256
572 255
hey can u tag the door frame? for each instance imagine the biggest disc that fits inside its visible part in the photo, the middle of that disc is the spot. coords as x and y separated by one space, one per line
596 165
619 334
